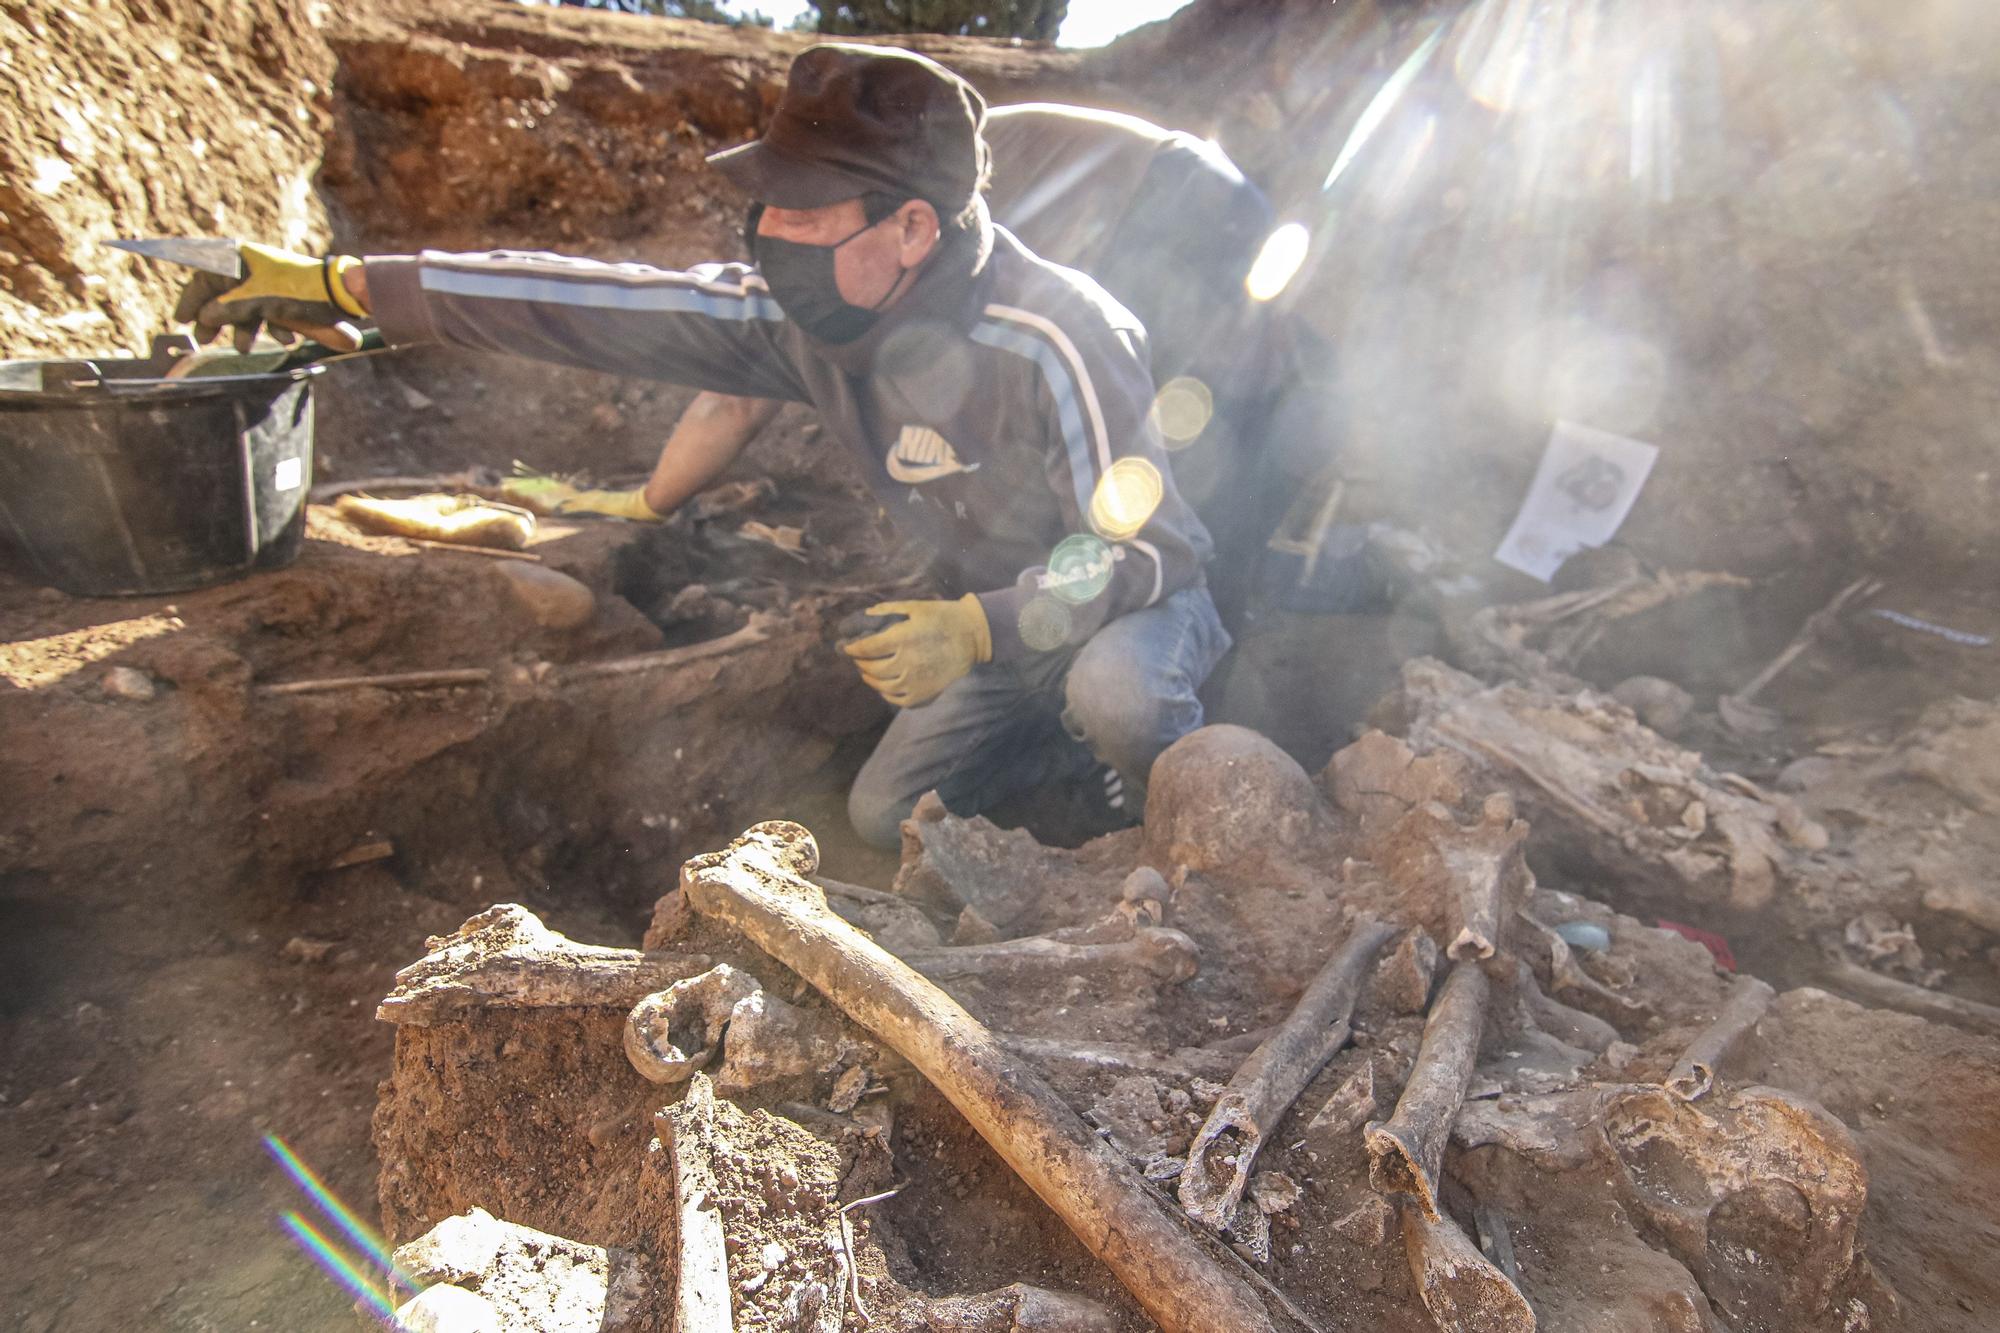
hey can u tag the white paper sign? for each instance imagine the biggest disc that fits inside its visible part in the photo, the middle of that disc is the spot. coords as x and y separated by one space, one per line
1586 484
287 475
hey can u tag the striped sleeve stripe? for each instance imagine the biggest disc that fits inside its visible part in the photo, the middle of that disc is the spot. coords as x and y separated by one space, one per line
1079 373
1037 339
603 291
1159 569
1068 415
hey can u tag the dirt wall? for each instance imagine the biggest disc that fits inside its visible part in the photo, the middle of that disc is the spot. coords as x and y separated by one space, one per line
148 117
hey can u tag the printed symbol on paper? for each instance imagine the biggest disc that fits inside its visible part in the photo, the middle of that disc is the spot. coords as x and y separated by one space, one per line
1584 486
1594 482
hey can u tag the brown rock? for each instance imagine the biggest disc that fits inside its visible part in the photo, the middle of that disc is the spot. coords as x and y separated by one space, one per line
556 601
671 915
1370 1222
1379 778
1402 980
1225 797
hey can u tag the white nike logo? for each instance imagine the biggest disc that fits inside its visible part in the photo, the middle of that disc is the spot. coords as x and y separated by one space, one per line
920 454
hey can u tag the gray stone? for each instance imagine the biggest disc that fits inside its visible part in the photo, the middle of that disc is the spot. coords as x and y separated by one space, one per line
1660 704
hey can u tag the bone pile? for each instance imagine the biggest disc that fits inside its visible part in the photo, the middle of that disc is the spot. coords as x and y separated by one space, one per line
1298 1054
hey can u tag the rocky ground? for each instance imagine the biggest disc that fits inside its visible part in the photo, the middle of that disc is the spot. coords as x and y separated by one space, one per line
1647 1139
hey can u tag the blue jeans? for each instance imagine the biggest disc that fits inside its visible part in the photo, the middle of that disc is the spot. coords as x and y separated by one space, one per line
1008 727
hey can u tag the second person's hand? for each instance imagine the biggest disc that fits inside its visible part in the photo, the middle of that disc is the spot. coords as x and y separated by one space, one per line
553 495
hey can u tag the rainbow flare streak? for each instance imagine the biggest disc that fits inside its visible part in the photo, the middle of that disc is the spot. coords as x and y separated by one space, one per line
339 1266
360 1233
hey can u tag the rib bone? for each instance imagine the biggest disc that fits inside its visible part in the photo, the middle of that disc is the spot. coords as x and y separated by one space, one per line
758 886
1218 1164
1572 1026
1114 1057
1406 1150
1873 988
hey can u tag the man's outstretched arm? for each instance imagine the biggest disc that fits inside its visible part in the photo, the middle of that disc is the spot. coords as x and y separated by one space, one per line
710 435
712 327
705 441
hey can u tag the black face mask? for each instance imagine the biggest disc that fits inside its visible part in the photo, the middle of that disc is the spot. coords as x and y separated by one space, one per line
801 279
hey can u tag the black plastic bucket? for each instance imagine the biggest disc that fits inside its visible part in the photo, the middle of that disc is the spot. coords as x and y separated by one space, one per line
114 480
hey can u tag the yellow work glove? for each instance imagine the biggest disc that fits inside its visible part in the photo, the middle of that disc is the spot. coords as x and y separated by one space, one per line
911 662
293 293
553 495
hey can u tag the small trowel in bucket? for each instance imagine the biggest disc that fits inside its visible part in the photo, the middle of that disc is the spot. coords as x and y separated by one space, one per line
224 256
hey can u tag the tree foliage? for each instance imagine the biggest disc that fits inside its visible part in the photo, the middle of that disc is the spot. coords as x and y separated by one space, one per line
708 11
1036 20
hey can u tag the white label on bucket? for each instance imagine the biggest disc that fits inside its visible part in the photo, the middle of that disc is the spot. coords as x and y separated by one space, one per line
287 475
1586 484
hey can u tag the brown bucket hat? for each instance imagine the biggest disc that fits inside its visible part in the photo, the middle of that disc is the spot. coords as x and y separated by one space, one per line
856 119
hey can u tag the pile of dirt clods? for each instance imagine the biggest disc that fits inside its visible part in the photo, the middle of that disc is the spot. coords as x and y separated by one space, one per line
1298 1053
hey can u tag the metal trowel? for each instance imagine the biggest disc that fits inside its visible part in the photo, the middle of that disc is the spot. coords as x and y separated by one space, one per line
224 256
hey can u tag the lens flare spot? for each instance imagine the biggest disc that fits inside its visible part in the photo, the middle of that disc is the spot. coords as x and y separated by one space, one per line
1044 624
1125 498
1079 569
1181 410
1278 262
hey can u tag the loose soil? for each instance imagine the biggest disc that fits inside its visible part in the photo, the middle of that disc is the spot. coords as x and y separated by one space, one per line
185 966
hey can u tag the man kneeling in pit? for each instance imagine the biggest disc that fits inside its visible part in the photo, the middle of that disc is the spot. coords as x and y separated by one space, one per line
1000 408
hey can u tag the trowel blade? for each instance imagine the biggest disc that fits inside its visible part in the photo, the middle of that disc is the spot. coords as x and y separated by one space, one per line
208 255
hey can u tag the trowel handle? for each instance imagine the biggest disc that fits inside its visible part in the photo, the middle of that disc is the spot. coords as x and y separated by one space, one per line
306 353
342 337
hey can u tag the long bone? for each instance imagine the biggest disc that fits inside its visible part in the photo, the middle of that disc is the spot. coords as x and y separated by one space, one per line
1461 1287
1481 862
663 1029
1463 881
1018 1308
701 1288
1163 954
1114 1057
1406 1150
758 886
1694 1073
506 958
1565 1024
1861 984
1218 1164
